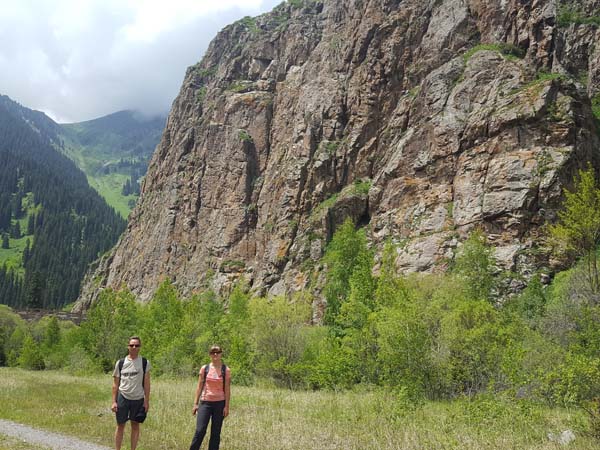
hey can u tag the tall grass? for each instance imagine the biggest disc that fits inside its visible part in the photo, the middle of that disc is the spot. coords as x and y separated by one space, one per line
270 418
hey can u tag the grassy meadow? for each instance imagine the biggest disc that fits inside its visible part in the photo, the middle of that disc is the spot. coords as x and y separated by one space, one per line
272 418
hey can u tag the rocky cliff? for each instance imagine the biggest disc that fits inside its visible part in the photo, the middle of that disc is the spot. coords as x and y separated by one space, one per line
418 119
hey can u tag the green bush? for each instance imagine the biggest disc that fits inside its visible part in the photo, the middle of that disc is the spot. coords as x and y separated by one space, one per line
109 324
404 347
572 382
475 265
346 250
31 356
278 338
9 322
470 346
336 366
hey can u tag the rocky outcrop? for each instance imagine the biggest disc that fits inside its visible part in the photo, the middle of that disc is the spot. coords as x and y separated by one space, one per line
418 119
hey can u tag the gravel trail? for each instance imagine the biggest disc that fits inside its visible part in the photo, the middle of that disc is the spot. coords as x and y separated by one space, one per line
48 439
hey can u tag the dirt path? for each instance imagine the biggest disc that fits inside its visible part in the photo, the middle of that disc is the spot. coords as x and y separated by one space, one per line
46 439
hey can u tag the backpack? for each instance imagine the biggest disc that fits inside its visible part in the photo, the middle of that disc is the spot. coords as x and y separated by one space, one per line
206 369
144 364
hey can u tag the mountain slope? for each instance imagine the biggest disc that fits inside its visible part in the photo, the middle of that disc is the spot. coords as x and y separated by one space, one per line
45 199
419 120
114 151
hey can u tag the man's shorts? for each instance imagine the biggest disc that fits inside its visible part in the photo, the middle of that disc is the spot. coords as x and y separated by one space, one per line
128 409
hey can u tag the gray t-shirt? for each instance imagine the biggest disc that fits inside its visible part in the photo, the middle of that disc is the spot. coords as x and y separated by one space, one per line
131 377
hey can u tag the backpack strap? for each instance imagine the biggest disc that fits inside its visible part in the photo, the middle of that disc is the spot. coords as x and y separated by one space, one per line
144 365
206 369
223 374
121 362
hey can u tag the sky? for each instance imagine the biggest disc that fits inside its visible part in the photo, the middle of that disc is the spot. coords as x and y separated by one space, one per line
78 60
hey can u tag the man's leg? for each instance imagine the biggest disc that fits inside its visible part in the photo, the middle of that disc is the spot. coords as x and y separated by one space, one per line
119 435
135 434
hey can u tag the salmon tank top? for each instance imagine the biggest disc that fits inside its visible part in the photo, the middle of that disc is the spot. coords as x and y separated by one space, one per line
213 387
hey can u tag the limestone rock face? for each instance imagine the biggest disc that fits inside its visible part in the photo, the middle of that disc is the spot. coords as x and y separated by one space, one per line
390 112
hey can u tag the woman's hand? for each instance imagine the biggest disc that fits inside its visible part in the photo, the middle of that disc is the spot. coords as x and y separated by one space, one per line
226 411
194 410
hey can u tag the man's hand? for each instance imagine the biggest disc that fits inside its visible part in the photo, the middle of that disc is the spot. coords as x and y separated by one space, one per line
114 407
146 405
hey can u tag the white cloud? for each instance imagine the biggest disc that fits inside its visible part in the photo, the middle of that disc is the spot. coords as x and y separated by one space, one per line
78 59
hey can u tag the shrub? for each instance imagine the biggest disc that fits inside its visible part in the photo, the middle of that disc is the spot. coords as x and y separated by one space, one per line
31 356
109 324
278 338
475 264
470 347
572 382
9 322
404 344
347 248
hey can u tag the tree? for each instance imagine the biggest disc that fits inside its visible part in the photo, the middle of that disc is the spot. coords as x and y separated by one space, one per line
344 252
15 230
577 231
31 356
391 288
475 264
30 224
52 333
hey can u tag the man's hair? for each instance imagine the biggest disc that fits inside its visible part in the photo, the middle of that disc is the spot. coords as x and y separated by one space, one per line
135 337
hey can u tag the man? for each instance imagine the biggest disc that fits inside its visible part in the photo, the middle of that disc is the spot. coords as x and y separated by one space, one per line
131 392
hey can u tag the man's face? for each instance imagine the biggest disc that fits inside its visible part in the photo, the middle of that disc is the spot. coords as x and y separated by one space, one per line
134 347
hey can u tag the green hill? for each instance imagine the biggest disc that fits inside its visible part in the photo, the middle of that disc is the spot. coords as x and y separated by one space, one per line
113 151
52 223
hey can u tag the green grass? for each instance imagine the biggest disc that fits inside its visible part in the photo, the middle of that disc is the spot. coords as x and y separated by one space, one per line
13 255
110 187
11 443
511 52
269 418
568 15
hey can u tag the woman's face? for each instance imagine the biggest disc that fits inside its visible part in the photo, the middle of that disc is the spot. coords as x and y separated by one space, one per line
215 355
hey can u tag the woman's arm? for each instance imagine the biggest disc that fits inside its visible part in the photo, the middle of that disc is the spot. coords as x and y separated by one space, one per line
198 392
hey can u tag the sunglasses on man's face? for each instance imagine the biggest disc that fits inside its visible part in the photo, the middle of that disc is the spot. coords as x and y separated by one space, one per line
135 345
215 353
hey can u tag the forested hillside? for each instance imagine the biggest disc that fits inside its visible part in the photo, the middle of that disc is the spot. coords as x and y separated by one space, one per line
51 222
114 152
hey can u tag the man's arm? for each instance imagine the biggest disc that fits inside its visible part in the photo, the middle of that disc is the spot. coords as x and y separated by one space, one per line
115 392
147 391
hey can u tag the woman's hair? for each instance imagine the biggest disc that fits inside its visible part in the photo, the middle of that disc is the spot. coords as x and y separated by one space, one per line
215 348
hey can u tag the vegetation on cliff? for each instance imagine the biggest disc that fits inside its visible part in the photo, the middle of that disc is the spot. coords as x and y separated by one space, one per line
423 336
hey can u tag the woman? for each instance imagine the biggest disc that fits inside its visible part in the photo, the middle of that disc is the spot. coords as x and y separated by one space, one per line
211 402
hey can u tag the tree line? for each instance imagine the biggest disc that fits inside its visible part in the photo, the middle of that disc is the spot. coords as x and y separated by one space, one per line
68 224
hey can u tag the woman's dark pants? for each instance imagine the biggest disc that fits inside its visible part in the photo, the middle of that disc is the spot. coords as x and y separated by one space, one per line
212 411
